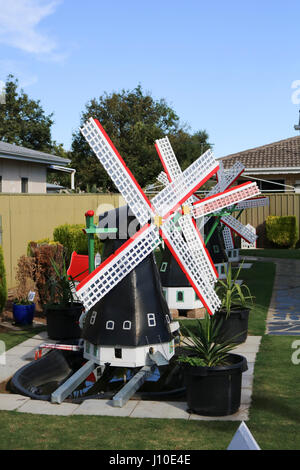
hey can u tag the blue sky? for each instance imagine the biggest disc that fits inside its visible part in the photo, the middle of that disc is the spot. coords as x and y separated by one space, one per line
224 66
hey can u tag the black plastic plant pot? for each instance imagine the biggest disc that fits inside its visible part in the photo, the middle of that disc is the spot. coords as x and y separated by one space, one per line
235 327
63 322
215 391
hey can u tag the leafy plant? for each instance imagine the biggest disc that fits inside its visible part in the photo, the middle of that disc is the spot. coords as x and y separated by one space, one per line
282 230
202 347
233 296
60 286
72 237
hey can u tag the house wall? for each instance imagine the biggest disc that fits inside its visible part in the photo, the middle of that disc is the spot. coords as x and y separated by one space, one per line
13 170
289 178
26 217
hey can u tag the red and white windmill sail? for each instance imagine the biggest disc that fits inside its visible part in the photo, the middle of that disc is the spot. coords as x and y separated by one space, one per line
162 207
218 198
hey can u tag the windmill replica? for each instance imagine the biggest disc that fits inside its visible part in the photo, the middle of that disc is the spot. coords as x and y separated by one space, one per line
168 218
213 212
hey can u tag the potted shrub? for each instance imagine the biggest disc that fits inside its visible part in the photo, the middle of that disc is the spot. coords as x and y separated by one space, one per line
23 311
236 302
63 311
213 374
25 293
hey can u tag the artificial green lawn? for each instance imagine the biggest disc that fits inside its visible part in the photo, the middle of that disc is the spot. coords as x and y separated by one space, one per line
274 418
14 338
274 413
259 279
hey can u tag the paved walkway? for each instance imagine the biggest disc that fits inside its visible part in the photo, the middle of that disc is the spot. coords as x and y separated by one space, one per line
284 311
20 355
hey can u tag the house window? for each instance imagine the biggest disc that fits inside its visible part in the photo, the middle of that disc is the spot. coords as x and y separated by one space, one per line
24 185
127 325
151 319
118 353
180 296
93 317
163 267
110 325
196 296
216 249
272 185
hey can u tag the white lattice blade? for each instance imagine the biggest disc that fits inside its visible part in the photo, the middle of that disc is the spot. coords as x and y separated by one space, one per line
168 158
196 276
257 202
229 197
162 178
117 266
197 247
226 177
181 189
246 245
227 237
116 168
239 228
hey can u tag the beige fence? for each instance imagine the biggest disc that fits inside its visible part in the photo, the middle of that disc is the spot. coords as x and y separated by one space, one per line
26 217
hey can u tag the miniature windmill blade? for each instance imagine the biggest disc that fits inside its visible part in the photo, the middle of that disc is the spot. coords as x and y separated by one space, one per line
181 189
198 248
252 202
190 266
168 158
229 197
117 266
115 166
227 177
162 178
170 164
189 229
228 238
240 229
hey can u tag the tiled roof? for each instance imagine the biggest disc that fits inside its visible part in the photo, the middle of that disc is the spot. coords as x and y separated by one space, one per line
23 153
282 154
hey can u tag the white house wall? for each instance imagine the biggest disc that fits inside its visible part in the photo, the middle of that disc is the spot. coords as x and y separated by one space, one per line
12 171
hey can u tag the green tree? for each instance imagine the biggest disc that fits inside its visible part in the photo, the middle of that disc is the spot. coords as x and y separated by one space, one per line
23 121
133 120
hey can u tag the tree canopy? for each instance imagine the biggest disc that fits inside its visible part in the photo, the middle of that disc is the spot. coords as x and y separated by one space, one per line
23 121
133 120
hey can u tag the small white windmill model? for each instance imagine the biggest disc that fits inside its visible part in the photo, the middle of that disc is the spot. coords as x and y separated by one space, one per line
235 199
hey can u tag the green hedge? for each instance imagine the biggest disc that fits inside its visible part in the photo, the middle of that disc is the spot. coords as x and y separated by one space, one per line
3 287
282 230
74 239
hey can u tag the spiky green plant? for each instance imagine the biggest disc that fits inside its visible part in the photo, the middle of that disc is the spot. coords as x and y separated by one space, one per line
202 346
61 287
233 296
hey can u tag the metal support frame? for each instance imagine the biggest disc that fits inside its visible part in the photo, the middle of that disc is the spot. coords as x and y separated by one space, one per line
69 385
122 397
